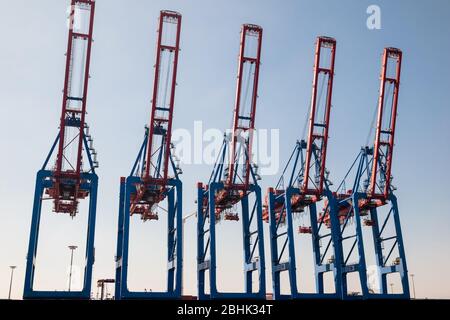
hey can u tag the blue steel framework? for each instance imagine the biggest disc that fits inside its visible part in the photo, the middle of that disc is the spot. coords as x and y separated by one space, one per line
44 181
302 190
372 191
68 183
149 183
227 188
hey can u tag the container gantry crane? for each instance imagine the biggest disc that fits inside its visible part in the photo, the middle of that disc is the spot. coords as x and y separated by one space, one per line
303 184
235 183
149 183
68 182
371 202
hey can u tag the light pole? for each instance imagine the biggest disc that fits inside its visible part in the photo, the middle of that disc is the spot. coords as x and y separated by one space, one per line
11 281
72 248
414 287
182 237
392 287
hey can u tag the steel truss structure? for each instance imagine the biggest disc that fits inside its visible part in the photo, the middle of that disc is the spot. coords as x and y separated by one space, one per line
235 183
371 193
149 183
67 182
303 184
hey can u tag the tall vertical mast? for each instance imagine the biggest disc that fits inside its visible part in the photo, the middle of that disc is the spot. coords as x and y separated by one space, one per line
380 180
245 107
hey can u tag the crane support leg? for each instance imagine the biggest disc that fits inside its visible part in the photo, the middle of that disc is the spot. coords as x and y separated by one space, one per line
357 243
174 234
396 241
174 230
252 243
385 246
283 248
44 180
387 239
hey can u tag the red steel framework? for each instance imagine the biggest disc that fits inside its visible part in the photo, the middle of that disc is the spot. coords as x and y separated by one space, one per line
66 191
240 151
318 128
157 150
312 188
162 114
243 123
380 181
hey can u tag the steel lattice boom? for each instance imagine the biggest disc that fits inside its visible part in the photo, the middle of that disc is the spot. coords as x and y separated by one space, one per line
240 144
380 180
308 161
156 158
245 107
319 120
160 134
69 162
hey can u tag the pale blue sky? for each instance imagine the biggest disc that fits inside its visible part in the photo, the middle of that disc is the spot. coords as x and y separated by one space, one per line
31 78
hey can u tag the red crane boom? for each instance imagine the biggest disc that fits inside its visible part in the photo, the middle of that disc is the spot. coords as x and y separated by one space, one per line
380 181
156 155
69 161
245 108
160 128
319 118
